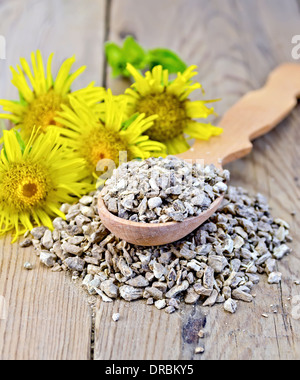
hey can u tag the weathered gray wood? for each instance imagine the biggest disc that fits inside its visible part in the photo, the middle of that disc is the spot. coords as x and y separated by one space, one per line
47 316
67 28
235 44
153 336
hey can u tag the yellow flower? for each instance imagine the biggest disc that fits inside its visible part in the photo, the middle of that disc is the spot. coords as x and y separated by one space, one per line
155 94
94 139
41 97
35 179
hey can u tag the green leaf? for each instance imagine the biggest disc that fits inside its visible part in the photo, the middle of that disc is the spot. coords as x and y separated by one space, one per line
166 58
115 58
118 57
20 141
128 122
113 53
22 99
4 152
134 53
2 128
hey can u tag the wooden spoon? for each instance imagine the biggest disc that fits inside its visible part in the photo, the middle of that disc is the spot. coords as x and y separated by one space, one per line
254 115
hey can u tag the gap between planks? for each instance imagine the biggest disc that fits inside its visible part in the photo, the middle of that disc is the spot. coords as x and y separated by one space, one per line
235 65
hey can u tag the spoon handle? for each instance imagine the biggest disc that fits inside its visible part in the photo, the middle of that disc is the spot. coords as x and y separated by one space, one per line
253 116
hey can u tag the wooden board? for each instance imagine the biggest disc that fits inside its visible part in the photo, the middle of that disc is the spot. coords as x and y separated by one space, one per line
66 28
47 317
236 44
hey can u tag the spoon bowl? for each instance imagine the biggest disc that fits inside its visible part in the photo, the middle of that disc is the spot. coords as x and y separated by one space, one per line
253 116
152 234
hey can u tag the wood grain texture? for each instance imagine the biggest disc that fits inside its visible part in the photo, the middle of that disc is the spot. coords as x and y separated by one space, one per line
47 317
142 333
260 111
66 28
236 45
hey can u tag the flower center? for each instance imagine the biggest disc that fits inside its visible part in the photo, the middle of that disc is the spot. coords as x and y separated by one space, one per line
29 190
25 186
102 144
42 110
171 115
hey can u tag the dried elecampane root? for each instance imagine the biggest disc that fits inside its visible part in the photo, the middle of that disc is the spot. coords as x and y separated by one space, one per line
219 263
160 190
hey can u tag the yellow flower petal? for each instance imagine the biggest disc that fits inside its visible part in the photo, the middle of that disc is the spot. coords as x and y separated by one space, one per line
177 145
31 180
202 131
198 110
41 96
95 140
155 94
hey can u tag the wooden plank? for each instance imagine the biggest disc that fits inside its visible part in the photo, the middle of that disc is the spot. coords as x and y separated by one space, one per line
235 44
66 28
47 317
275 159
154 336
